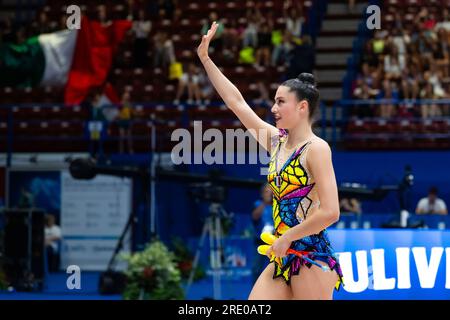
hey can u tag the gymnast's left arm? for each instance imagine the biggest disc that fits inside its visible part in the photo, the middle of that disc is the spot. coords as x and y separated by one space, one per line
321 167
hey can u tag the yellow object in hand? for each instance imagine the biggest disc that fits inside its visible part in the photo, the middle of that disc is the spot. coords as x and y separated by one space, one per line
262 249
268 237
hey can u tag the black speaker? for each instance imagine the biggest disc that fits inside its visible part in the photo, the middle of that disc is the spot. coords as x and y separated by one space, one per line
24 241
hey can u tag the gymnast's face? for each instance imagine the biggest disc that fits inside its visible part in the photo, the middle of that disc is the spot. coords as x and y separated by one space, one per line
288 111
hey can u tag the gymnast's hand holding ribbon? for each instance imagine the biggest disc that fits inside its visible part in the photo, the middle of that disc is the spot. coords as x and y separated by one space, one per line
280 247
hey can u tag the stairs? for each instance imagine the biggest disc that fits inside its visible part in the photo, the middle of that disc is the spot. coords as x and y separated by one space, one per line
334 46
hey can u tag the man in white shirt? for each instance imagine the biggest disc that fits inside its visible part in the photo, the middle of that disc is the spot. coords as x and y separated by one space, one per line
431 204
52 240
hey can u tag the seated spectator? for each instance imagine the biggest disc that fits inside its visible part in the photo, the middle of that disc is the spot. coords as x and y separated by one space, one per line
216 43
232 39
163 50
167 9
350 205
263 97
264 45
393 66
250 35
205 88
189 80
389 96
431 204
141 30
369 57
410 83
428 109
52 242
302 58
280 53
103 16
294 18
441 54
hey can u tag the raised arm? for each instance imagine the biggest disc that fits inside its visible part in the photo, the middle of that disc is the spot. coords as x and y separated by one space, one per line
231 95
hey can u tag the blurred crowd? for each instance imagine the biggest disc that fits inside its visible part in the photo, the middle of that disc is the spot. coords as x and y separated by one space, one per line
257 39
407 62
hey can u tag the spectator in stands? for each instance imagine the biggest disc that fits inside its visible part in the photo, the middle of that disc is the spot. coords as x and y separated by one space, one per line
431 204
434 76
294 18
250 35
350 205
263 98
141 28
52 242
441 54
369 57
163 52
281 51
167 8
189 80
368 76
124 123
262 222
445 22
232 39
393 66
302 58
400 40
263 48
362 91
42 25
410 82
205 88
429 110
389 96
103 16
217 42
379 41
96 124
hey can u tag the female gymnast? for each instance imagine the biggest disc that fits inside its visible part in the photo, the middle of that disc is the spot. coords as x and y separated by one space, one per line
300 174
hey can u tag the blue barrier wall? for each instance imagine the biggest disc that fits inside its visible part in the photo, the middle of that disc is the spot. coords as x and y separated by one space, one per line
377 265
179 215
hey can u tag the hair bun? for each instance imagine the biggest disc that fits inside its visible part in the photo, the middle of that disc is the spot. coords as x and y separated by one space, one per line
307 78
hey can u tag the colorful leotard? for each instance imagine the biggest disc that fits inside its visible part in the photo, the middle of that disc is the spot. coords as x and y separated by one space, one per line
291 188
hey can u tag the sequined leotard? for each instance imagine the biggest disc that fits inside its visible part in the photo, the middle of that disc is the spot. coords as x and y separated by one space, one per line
291 188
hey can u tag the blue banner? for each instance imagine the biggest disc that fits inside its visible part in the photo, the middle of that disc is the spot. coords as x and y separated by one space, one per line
378 264
393 264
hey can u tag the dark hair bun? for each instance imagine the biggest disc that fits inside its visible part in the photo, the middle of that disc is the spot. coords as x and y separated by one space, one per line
307 78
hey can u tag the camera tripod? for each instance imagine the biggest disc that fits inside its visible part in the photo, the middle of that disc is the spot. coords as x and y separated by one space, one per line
213 228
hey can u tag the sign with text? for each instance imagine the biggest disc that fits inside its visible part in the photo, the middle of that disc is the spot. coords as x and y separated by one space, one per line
93 216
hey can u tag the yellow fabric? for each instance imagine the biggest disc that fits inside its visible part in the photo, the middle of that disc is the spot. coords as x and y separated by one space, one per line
175 70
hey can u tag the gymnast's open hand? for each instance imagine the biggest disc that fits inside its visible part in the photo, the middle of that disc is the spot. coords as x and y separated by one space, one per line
202 49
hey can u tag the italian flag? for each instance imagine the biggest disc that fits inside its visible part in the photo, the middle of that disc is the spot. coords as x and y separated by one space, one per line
75 59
